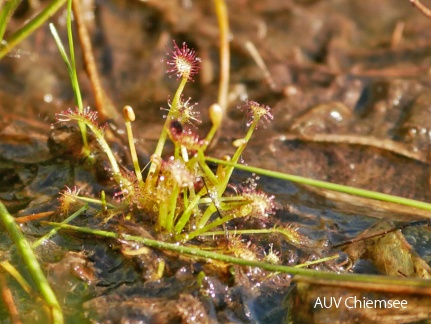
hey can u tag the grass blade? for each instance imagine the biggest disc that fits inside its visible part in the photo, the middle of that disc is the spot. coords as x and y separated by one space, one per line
328 185
30 27
60 47
5 14
371 282
33 266
71 68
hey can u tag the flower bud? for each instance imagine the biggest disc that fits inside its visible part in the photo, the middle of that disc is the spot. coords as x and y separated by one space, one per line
216 114
129 114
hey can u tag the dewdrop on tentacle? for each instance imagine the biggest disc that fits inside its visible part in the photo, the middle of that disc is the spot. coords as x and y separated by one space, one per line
242 249
86 115
257 112
184 112
272 256
178 172
183 62
187 139
292 235
261 204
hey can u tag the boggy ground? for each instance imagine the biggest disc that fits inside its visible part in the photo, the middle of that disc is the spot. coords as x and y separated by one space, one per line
348 82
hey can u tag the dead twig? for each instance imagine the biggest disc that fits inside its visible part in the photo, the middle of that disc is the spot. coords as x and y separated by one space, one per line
254 53
425 10
8 300
397 34
223 21
222 16
104 106
32 217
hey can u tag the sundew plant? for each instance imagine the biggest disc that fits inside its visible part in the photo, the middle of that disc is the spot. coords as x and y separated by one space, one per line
182 193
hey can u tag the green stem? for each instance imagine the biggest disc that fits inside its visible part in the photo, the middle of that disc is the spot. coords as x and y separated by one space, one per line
163 215
371 282
55 230
184 153
31 26
133 153
321 260
206 216
172 208
186 197
102 202
33 266
326 185
186 215
210 135
163 136
75 85
228 172
74 77
177 151
240 232
226 203
207 171
292 236
217 222
105 147
6 13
